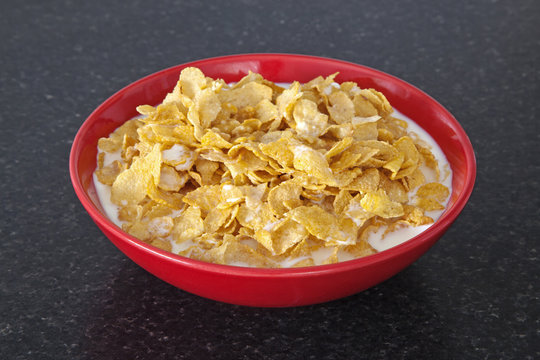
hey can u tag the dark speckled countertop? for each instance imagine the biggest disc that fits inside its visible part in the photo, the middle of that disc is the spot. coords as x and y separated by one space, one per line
67 293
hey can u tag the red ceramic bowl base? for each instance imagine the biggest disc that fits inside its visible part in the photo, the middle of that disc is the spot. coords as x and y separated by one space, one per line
274 287
277 292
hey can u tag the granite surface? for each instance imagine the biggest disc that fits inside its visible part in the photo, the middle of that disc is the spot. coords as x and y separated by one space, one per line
67 293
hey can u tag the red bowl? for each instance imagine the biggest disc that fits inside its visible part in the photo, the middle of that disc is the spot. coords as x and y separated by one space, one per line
274 287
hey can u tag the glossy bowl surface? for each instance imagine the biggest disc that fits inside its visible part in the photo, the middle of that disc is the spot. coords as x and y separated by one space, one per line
274 287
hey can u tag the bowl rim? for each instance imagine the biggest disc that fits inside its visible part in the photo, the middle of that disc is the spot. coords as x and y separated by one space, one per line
436 229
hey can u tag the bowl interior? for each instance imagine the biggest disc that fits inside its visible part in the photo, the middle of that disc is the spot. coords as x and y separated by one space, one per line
425 111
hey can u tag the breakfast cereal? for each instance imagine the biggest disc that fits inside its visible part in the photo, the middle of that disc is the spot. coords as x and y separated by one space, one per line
259 174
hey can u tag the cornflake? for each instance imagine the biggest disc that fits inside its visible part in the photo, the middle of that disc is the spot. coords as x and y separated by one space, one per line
254 174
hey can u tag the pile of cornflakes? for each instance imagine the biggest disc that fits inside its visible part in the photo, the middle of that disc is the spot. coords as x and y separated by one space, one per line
255 174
